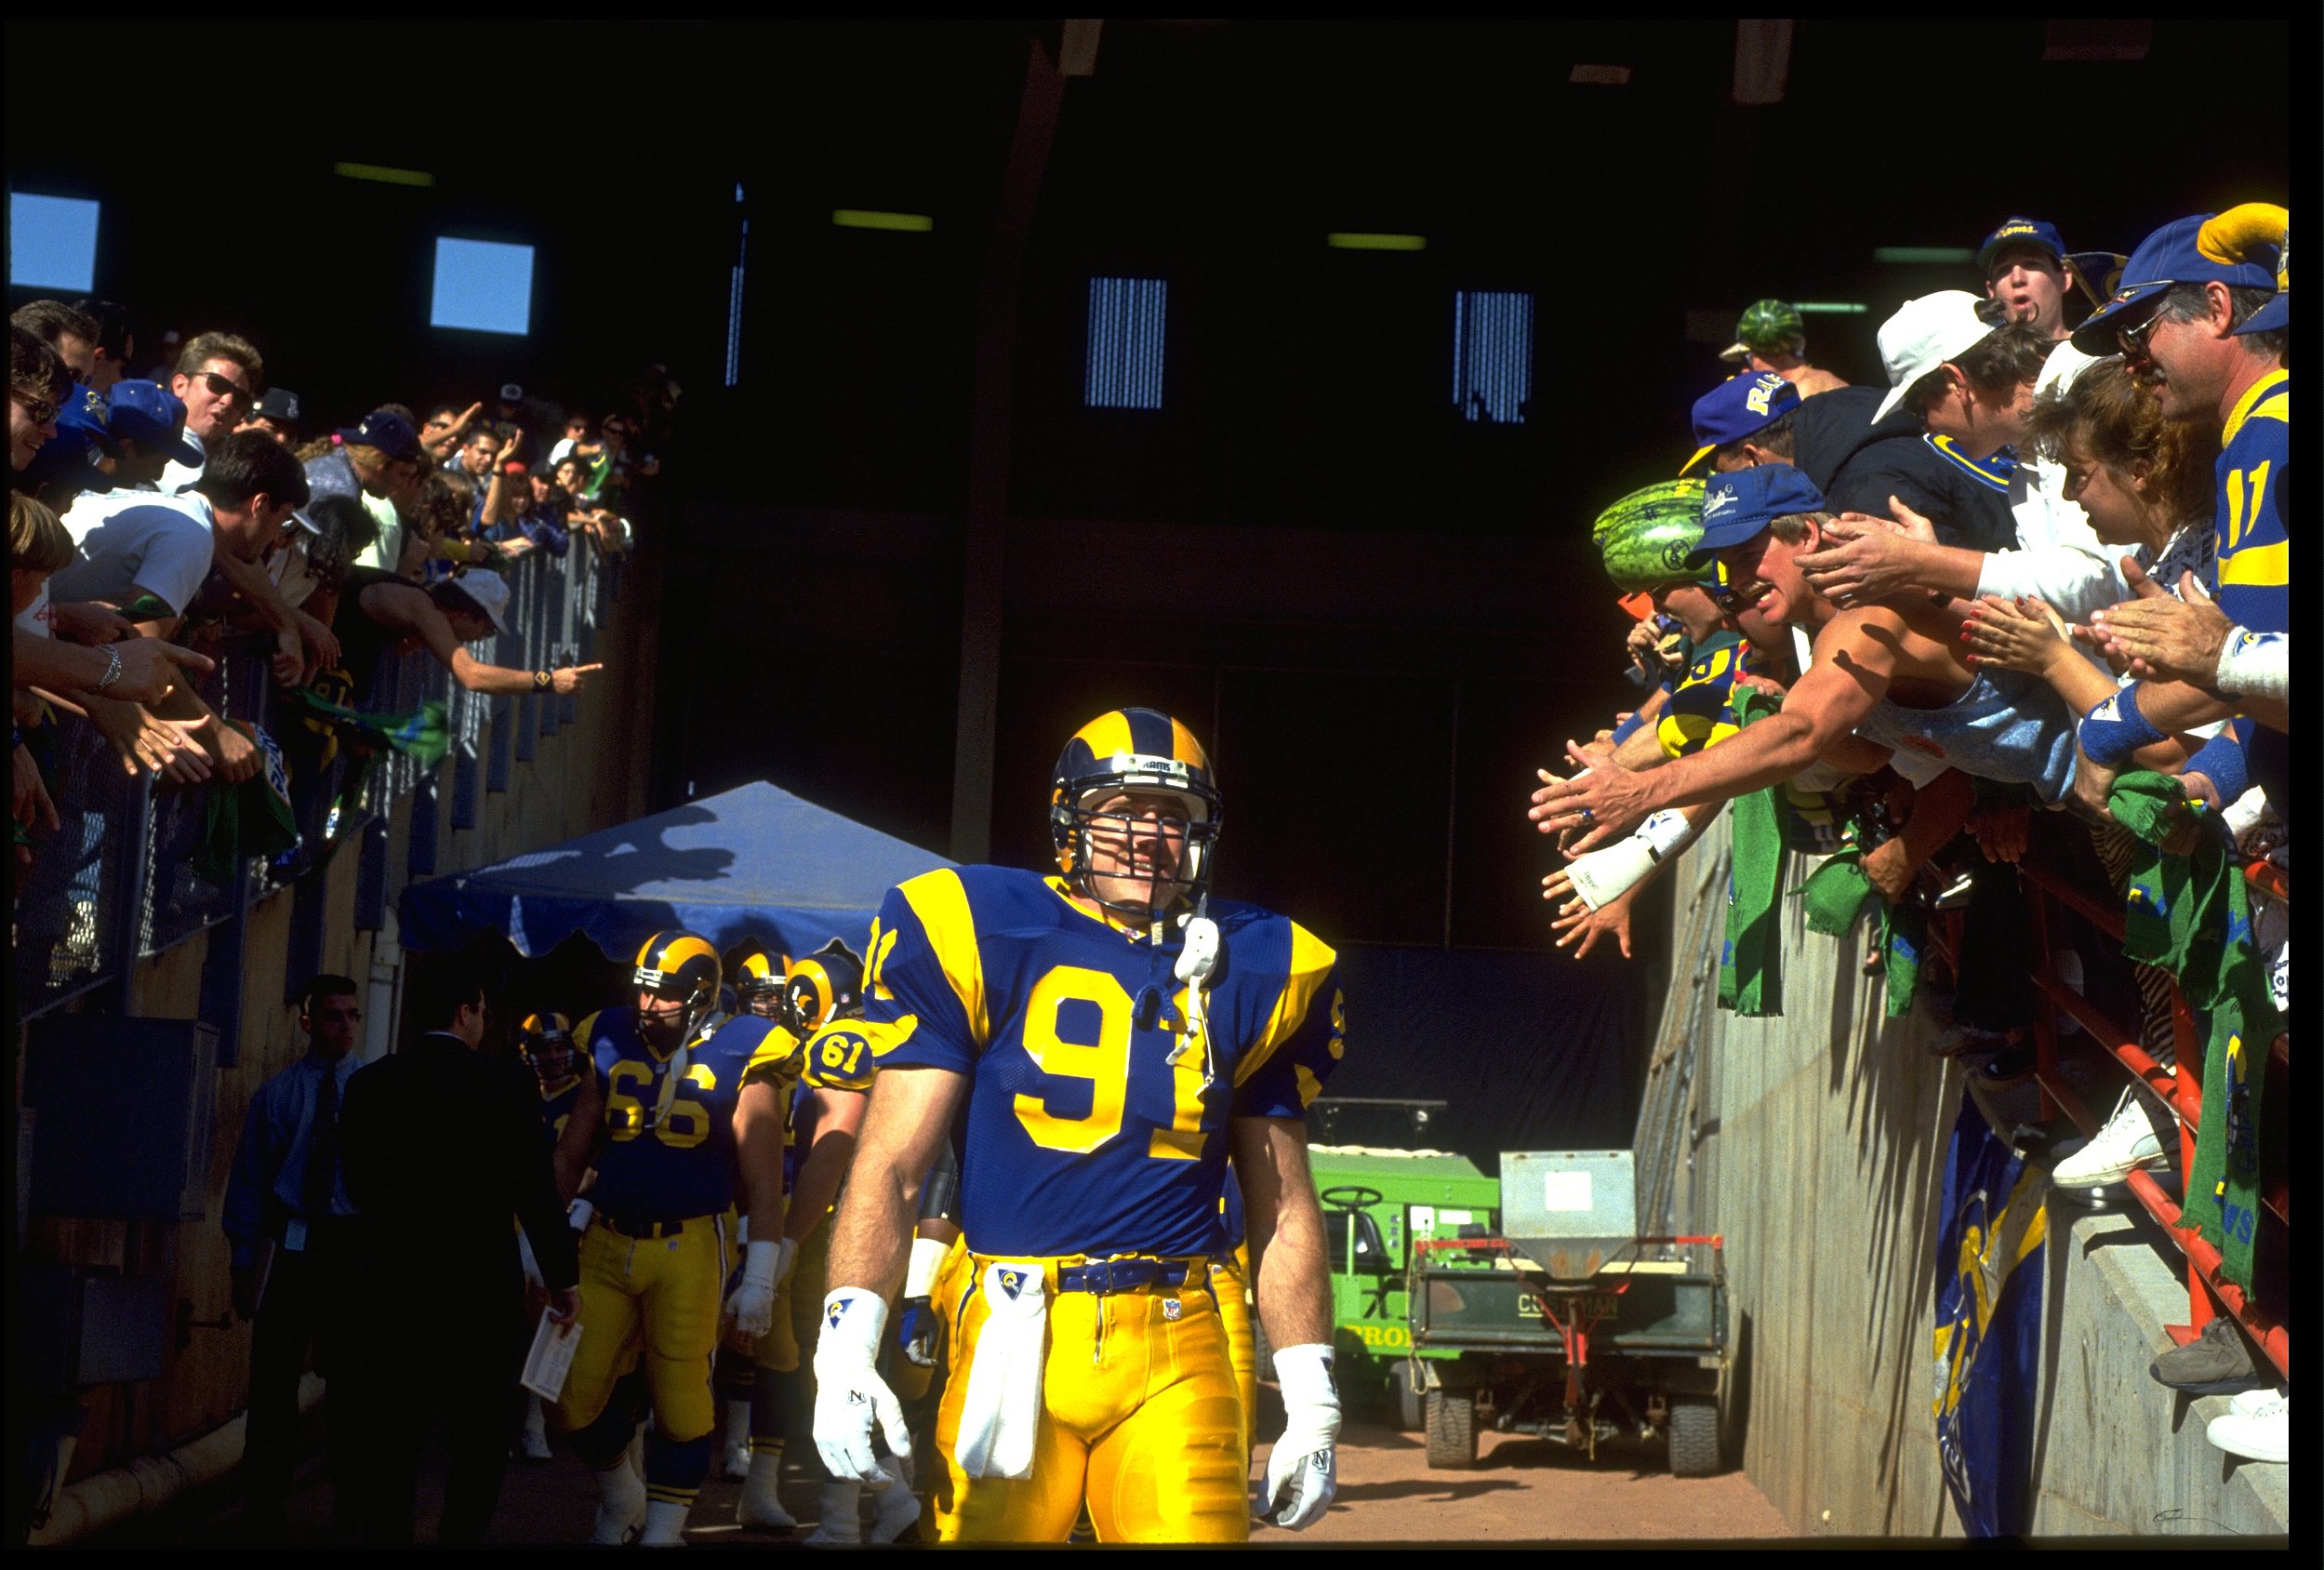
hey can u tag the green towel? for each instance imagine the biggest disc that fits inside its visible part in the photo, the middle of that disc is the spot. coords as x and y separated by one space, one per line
2190 915
251 819
422 733
1751 963
1835 895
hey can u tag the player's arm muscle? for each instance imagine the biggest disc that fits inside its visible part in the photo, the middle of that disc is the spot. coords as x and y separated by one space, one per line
911 1113
759 1152
1284 1225
576 1146
838 1119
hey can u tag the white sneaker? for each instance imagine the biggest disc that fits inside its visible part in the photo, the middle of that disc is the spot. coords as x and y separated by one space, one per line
2264 1433
665 1526
2126 1144
896 1508
621 1506
762 1504
2247 1403
533 1443
737 1465
841 1526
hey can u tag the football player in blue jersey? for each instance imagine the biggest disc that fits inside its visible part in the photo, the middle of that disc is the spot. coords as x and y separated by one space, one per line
1111 1038
754 975
818 1115
545 1040
655 1256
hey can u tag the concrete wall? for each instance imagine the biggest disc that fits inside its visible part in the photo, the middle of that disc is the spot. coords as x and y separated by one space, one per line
1819 1141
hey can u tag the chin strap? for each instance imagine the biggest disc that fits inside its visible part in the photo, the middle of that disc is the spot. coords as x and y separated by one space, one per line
1196 961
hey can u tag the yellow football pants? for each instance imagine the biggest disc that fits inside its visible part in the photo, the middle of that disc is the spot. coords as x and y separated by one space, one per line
1234 1311
661 1295
1140 1420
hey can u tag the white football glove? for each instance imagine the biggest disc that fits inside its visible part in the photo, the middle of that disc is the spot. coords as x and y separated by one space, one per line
850 1397
751 1304
1301 1470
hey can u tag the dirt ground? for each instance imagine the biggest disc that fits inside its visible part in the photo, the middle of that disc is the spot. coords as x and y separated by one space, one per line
1522 1489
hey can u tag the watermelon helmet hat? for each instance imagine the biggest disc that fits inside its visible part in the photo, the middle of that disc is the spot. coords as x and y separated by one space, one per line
1767 325
1647 537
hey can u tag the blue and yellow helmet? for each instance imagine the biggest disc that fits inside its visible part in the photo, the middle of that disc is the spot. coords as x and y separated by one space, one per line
825 986
1134 750
546 1041
754 970
684 967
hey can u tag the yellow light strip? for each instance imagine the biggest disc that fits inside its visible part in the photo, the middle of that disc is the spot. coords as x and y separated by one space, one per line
901 223
384 175
1346 242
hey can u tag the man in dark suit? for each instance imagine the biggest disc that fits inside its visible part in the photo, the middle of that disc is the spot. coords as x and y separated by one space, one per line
441 1150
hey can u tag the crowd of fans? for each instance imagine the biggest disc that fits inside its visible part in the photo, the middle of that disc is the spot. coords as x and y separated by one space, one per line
153 519
2027 604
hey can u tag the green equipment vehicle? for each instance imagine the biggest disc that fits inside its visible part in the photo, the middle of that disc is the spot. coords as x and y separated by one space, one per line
1378 1202
1565 1323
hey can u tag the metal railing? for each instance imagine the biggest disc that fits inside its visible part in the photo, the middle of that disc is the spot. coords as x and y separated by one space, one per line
2179 1088
116 883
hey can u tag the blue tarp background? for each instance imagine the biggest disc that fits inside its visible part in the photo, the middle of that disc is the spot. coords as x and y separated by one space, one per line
753 860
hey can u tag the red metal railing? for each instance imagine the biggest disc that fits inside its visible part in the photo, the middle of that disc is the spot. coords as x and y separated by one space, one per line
2182 1091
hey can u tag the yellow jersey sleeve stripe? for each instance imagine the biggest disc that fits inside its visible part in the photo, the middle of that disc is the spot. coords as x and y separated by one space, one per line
582 1031
2274 390
2258 566
1311 962
941 903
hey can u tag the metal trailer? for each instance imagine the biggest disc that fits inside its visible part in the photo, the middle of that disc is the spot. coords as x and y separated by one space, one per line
1570 1324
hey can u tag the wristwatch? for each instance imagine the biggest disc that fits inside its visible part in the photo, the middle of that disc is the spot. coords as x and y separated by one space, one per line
542 681
113 668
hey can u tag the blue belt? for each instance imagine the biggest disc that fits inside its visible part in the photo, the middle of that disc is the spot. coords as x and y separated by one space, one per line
1106 1276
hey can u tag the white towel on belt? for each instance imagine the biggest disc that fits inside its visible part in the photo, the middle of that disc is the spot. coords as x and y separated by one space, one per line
1001 1414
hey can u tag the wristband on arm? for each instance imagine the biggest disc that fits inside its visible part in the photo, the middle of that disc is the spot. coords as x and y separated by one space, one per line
2221 760
2256 665
2115 728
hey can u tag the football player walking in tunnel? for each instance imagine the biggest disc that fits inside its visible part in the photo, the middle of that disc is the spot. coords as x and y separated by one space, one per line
545 1040
754 975
656 1257
1117 1037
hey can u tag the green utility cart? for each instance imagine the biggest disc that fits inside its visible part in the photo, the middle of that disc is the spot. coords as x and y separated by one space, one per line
1379 1203
1565 1323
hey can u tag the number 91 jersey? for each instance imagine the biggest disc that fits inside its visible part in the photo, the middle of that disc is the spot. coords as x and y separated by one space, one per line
669 1149
1090 1130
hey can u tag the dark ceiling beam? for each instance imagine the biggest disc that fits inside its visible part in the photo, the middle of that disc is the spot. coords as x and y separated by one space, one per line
995 380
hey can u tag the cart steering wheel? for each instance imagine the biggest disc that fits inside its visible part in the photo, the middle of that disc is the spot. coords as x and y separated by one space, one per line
1351 1196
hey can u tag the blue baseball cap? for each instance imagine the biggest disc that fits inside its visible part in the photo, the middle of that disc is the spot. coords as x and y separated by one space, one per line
1736 407
1737 506
385 429
155 417
2174 254
2020 232
80 439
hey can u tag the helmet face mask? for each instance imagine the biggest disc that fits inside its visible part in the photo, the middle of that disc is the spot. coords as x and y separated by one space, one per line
1134 752
756 972
546 1042
683 968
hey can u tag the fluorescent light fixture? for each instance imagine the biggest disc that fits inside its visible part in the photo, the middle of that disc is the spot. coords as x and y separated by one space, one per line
52 243
383 174
1923 256
1600 75
483 286
1128 322
900 223
1826 307
1343 241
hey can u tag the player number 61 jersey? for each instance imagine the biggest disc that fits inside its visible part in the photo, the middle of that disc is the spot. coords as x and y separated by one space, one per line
1094 1126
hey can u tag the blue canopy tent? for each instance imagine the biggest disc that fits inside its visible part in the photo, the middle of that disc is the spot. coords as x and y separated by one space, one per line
754 861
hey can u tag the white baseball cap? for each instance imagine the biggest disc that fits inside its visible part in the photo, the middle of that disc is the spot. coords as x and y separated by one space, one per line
1924 334
490 591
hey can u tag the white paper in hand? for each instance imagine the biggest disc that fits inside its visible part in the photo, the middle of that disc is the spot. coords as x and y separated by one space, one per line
551 1358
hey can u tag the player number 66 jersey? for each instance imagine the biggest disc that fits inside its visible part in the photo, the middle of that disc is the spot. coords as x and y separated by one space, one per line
1096 1124
669 1147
